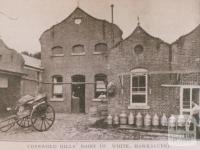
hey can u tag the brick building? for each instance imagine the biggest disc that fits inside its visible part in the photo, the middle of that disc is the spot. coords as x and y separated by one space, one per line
83 55
76 50
11 72
19 75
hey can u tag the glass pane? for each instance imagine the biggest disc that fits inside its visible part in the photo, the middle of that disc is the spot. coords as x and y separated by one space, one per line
59 79
78 49
195 95
101 47
57 50
186 98
134 89
3 82
57 89
142 81
142 89
134 81
138 98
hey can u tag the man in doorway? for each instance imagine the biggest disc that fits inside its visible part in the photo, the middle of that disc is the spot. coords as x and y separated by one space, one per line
195 114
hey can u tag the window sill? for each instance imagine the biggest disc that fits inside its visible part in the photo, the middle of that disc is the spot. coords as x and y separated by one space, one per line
57 99
57 55
78 54
139 106
100 100
97 53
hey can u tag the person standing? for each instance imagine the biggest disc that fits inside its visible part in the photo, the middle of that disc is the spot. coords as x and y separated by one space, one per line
195 114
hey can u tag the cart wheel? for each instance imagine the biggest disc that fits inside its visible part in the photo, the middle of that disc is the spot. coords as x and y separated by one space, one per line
7 125
24 122
43 117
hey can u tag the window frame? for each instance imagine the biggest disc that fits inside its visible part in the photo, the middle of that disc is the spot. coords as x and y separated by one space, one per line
100 75
98 52
139 72
57 55
80 53
5 82
53 95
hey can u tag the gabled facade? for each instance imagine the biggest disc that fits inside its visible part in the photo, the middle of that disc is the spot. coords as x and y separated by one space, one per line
76 50
137 67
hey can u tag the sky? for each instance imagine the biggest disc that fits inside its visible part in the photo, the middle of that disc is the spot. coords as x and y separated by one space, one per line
23 21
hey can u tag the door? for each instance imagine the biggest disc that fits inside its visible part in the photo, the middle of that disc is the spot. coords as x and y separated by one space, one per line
78 94
188 95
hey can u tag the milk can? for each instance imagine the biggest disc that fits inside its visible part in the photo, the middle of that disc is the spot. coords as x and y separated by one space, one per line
116 120
164 120
147 120
139 121
131 118
123 118
109 119
172 121
181 121
155 121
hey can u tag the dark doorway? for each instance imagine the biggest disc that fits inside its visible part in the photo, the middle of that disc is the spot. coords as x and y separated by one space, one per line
78 93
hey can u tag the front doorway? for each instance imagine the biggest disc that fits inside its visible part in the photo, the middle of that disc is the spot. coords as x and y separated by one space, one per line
188 94
78 94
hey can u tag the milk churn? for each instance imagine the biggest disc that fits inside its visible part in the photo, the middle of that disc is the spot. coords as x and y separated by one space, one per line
123 118
109 119
172 121
155 120
131 118
181 121
139 121
116 120
147 120
164 120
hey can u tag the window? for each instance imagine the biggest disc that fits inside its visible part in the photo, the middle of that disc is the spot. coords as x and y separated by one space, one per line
3 82
77 21
100 85
57 87
188 95
138 49
100 48
138 87
78 50
57 51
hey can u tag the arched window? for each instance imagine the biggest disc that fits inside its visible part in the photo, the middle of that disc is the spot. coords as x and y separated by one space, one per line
57 87
100 48
57 51
100 85
78 49
138 49
139 86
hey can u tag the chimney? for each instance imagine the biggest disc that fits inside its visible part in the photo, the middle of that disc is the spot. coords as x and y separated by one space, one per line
112 6
112 20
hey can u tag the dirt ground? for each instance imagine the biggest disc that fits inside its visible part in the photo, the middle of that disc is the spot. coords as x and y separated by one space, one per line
77 127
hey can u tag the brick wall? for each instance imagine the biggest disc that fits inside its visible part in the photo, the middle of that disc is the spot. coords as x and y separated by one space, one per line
155 57
66 34
186 51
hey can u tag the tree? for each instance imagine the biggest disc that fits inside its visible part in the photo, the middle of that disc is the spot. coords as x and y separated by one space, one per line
37 55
